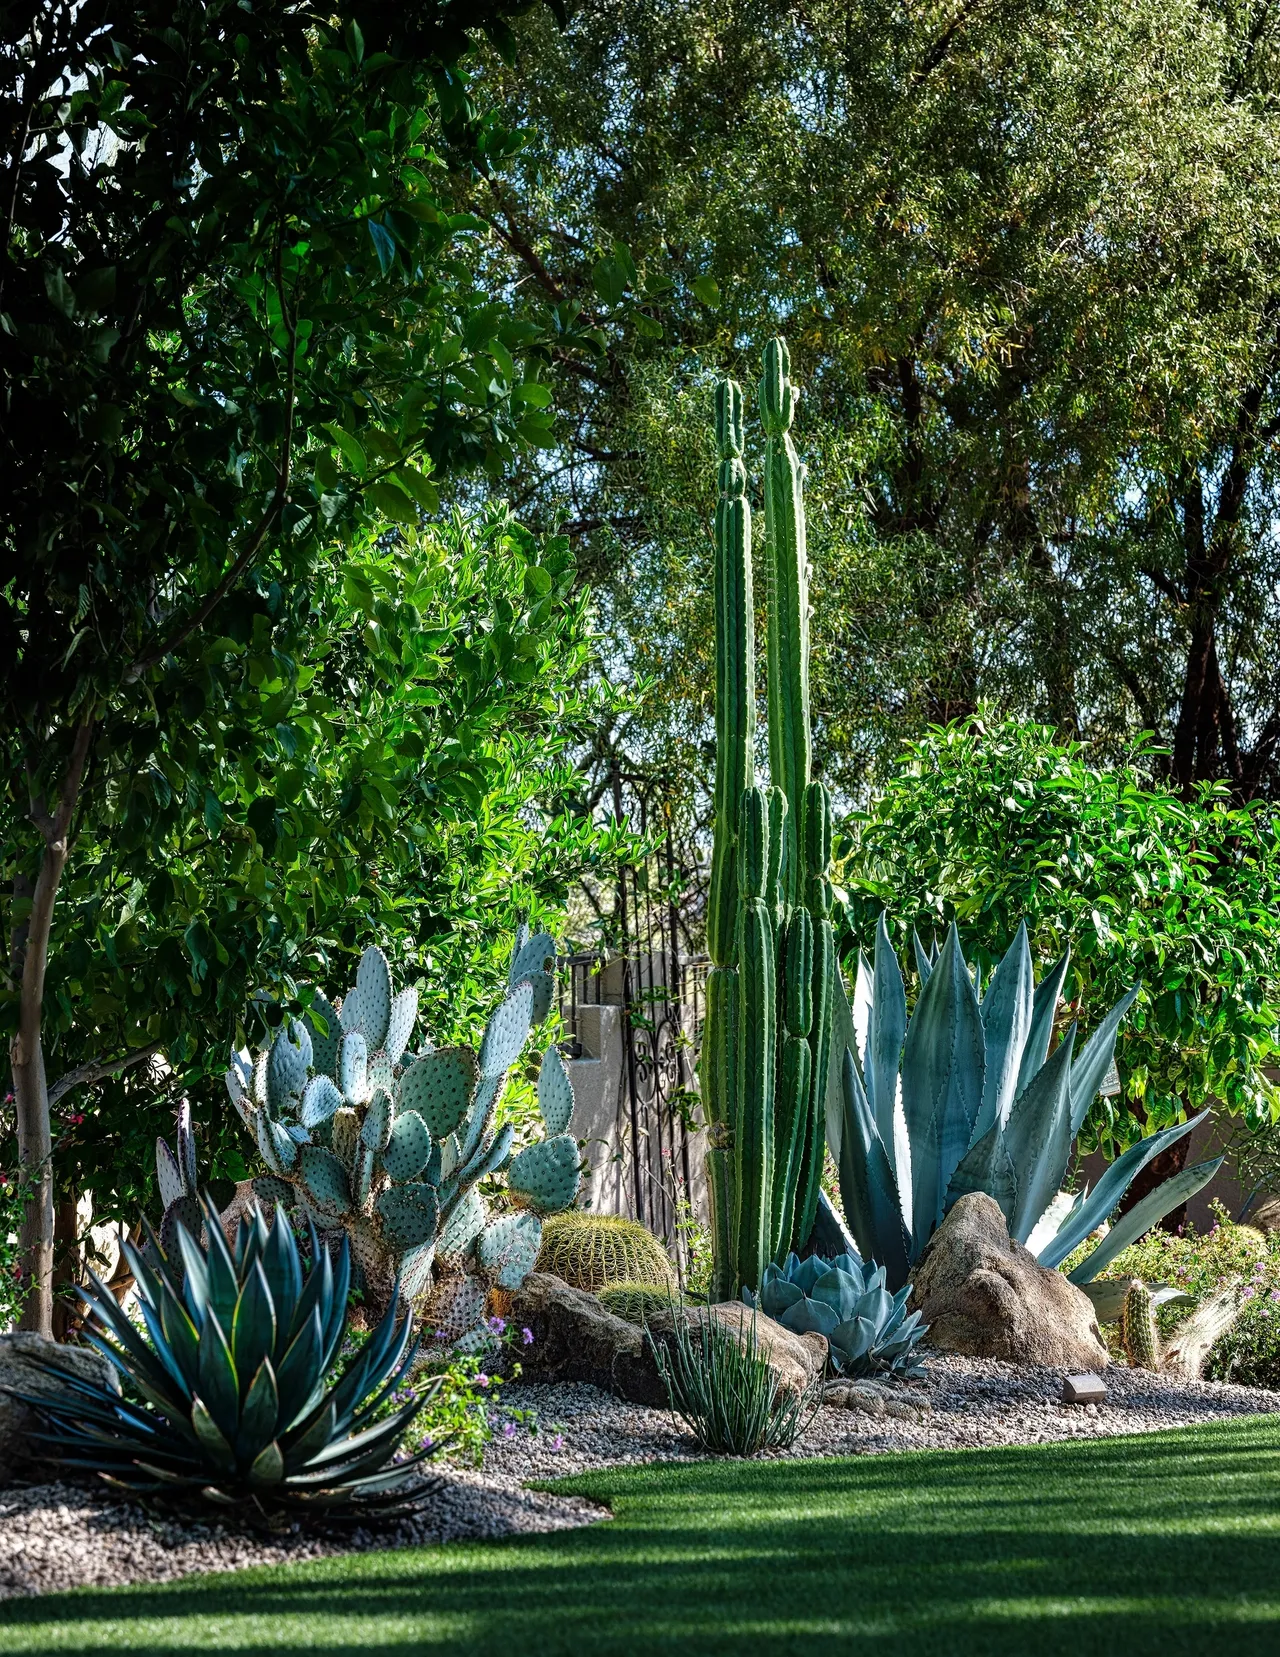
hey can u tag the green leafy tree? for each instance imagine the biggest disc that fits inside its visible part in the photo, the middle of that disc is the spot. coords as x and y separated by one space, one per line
238 324
988 824
1026 258
404 778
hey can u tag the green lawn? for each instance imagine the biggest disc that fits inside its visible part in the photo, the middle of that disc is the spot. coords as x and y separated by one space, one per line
1160 1545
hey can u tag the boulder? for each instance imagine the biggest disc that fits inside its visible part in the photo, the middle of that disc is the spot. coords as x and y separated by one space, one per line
1265 1215
576 1339
19 1356
984 1295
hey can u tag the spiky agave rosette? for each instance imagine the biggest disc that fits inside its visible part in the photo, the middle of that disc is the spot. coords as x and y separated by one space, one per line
867 1328
225 1395
391 1147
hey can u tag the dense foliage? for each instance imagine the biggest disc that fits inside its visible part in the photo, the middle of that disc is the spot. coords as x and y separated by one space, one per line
986 824
382 752
1025 255
240 327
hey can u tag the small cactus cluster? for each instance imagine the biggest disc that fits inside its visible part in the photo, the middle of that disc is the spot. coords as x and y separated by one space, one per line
594 1251
1138 1332
390 1147
637 1302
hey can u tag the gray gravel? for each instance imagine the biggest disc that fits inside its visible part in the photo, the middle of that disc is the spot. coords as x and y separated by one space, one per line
56 1536
963 1402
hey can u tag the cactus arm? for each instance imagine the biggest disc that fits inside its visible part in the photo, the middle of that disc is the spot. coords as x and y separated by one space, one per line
735 670
787 563
757 1046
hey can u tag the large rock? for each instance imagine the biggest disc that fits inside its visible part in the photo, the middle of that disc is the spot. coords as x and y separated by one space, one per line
576 1339
984 1295
19 1355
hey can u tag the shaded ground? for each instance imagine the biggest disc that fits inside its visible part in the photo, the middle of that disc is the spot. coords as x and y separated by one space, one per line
1162 1544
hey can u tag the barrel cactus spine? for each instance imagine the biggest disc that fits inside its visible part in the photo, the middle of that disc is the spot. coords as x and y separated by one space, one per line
391 1147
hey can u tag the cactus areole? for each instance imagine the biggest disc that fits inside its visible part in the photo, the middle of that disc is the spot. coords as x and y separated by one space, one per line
764 1055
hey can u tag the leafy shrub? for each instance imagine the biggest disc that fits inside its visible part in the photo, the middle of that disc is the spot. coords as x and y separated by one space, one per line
726 1393
1200 1263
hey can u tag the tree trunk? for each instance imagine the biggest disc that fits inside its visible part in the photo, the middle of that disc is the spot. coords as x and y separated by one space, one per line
26 1055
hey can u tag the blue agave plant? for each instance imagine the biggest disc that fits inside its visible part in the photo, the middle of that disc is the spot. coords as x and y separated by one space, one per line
966 1096
867 1328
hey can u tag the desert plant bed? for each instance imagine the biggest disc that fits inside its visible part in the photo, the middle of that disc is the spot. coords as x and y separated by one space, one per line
1160 1544
64 1536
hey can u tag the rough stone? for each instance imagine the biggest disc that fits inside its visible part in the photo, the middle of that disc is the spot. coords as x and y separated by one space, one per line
1265 1215
19 1355
984 1295
576 1339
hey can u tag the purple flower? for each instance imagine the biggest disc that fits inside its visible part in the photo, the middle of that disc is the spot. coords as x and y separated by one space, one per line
1275 1294
497 1325
557 1443
509 1431
482 1380
526 1335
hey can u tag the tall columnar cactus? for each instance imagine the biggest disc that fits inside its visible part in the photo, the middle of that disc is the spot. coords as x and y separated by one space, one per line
765 1045
391 1147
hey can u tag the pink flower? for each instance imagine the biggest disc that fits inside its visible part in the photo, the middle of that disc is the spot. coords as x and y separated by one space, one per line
557 1443
482 1380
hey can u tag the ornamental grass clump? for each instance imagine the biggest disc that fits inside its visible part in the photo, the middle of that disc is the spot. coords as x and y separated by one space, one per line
727 1394
224 1394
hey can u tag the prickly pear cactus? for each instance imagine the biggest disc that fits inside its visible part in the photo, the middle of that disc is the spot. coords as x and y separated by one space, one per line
1138 1331
177 1180
391 1147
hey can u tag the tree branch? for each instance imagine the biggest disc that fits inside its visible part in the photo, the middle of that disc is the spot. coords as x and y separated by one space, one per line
97 1070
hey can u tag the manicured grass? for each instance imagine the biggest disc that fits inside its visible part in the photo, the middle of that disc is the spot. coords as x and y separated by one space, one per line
1162 1545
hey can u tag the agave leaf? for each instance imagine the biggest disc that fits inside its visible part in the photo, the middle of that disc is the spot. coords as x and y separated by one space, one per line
267 1468
868 1189
1043 1008
300 1368
283 1271
942 1081
253 1324
259 1414
1038 1138
888 1029
1109 1190
212 1440
1091 1067
1143 1215
219 1384
1006 1024
861 1007
923 958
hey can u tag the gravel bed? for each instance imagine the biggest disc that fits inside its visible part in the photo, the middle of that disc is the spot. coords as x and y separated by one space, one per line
962 1402
57 1536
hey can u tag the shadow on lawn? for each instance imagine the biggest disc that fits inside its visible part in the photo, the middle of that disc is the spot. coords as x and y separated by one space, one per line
1155 1545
